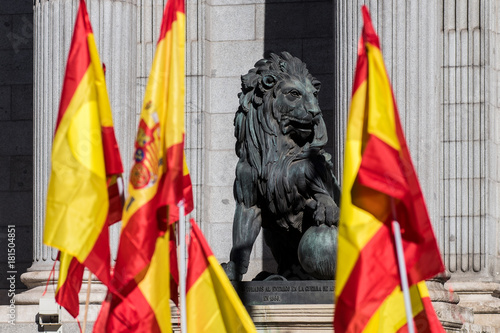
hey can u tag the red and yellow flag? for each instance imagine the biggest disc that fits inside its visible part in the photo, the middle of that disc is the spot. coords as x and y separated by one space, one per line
159 180
82 194
212 304
380 185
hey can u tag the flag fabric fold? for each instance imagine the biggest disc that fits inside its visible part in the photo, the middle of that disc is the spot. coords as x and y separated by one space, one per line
159 180
211 301
380 185
82 194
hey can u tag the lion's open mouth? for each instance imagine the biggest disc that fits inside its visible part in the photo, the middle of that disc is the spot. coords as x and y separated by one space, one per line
301 127
305 124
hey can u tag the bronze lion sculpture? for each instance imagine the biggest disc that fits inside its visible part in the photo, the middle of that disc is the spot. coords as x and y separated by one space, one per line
284 180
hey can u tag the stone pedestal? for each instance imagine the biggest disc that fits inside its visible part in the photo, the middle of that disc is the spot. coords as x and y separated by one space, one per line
302 306
299 318
293 318
446 304
482 298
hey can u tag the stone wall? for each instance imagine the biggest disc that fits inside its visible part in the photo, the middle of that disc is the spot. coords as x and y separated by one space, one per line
16 133
234 42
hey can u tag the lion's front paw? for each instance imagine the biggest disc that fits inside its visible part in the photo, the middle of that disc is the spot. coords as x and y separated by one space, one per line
326 211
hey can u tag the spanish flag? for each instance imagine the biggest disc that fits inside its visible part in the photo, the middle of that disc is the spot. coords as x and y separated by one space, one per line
380 185
212 304
82 194
159 180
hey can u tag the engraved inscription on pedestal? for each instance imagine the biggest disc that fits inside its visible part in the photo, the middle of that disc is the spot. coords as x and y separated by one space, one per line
285 292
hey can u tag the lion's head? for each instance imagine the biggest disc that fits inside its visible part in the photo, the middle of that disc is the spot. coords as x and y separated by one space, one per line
278 113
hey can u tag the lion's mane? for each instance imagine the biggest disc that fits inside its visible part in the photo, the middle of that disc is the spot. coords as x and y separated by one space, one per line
261 141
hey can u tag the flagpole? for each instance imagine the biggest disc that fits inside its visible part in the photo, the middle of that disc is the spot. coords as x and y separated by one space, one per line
89 284
404 278
182 267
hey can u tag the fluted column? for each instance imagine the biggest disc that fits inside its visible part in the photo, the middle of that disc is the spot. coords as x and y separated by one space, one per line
114 29
471 105
464 139
409 36
492 79
195 101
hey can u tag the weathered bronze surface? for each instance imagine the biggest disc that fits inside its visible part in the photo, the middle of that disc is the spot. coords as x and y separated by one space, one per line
284 180
316 248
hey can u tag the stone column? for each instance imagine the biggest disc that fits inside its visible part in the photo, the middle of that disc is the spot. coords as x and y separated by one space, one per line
472 142
464 139
114 27
410 42
195 101
492 79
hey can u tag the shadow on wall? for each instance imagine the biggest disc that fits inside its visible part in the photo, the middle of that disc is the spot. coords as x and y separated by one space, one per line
305 29
16 144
